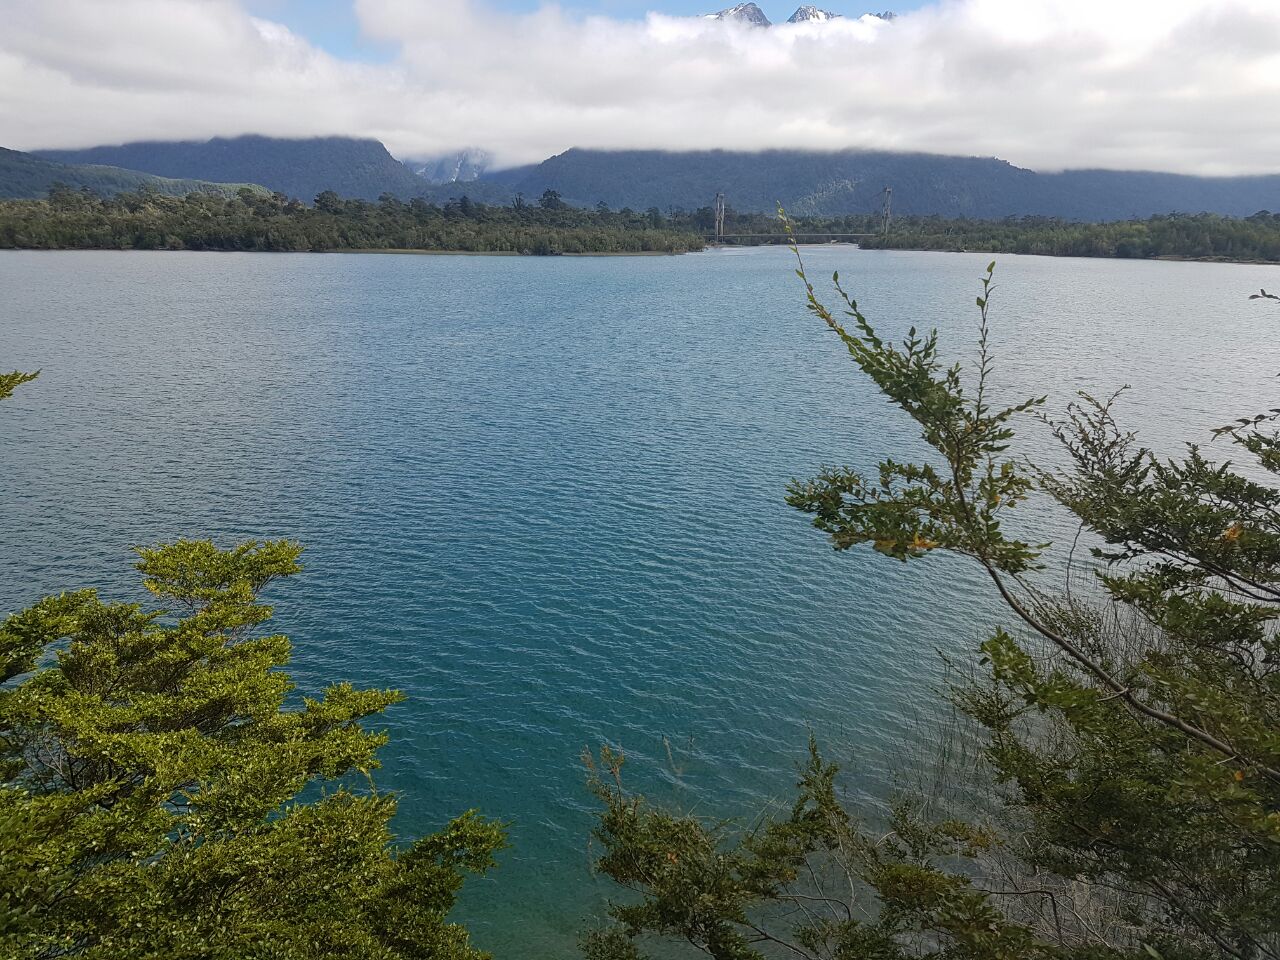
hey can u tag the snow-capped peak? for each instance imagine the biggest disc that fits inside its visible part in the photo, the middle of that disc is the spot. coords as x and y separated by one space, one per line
811 14
742 13
461 167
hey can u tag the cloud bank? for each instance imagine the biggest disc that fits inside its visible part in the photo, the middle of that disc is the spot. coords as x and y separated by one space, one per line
1177 85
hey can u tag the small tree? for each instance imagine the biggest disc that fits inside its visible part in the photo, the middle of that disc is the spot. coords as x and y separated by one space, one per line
550 200
1137 739
163 794
1147 757
327 201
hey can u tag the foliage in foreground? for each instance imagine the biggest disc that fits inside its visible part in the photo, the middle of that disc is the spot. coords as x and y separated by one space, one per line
1134 742
153 797
160 799
10 382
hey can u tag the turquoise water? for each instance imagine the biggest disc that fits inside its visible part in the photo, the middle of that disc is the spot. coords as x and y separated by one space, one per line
545 496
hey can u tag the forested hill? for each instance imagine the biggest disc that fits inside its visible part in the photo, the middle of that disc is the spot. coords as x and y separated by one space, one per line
362 169
812 183
808 183
24 175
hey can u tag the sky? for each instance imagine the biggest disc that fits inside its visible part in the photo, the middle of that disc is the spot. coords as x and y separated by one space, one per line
1179 85
334 26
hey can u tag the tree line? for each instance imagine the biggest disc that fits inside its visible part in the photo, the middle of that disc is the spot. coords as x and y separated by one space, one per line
253 220
1203 236
1206 236
257 221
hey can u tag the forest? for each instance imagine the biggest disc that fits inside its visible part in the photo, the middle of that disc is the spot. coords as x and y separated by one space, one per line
256 221
1202 236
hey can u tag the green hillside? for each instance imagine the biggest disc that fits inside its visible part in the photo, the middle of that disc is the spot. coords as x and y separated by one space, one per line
23 176
302 168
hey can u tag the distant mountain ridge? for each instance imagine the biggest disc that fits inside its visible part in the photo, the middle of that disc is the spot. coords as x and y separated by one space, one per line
806 182
24 176
752 15
853 181
301 168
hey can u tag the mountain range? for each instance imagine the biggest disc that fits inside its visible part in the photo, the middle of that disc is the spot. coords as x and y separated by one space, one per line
752 15
853 181
806 182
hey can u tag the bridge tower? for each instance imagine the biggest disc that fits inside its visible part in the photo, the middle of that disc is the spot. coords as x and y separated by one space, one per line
720 207
888 210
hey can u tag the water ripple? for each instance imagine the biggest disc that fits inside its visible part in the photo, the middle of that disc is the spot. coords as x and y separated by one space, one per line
544 497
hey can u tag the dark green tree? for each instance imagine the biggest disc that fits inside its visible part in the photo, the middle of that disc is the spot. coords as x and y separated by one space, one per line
329 202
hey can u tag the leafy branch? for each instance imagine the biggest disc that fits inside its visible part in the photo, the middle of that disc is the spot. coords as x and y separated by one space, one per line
914 509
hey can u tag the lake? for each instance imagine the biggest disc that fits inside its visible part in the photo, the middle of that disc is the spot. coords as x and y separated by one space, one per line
544 497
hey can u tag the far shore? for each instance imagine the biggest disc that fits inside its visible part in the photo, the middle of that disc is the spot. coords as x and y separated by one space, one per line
390 250
509 253
1168 258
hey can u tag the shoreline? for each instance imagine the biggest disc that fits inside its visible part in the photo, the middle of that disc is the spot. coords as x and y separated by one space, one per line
401 251
710 247
507 253
1163 258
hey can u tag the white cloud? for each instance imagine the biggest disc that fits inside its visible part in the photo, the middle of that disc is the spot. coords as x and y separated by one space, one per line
1168 84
